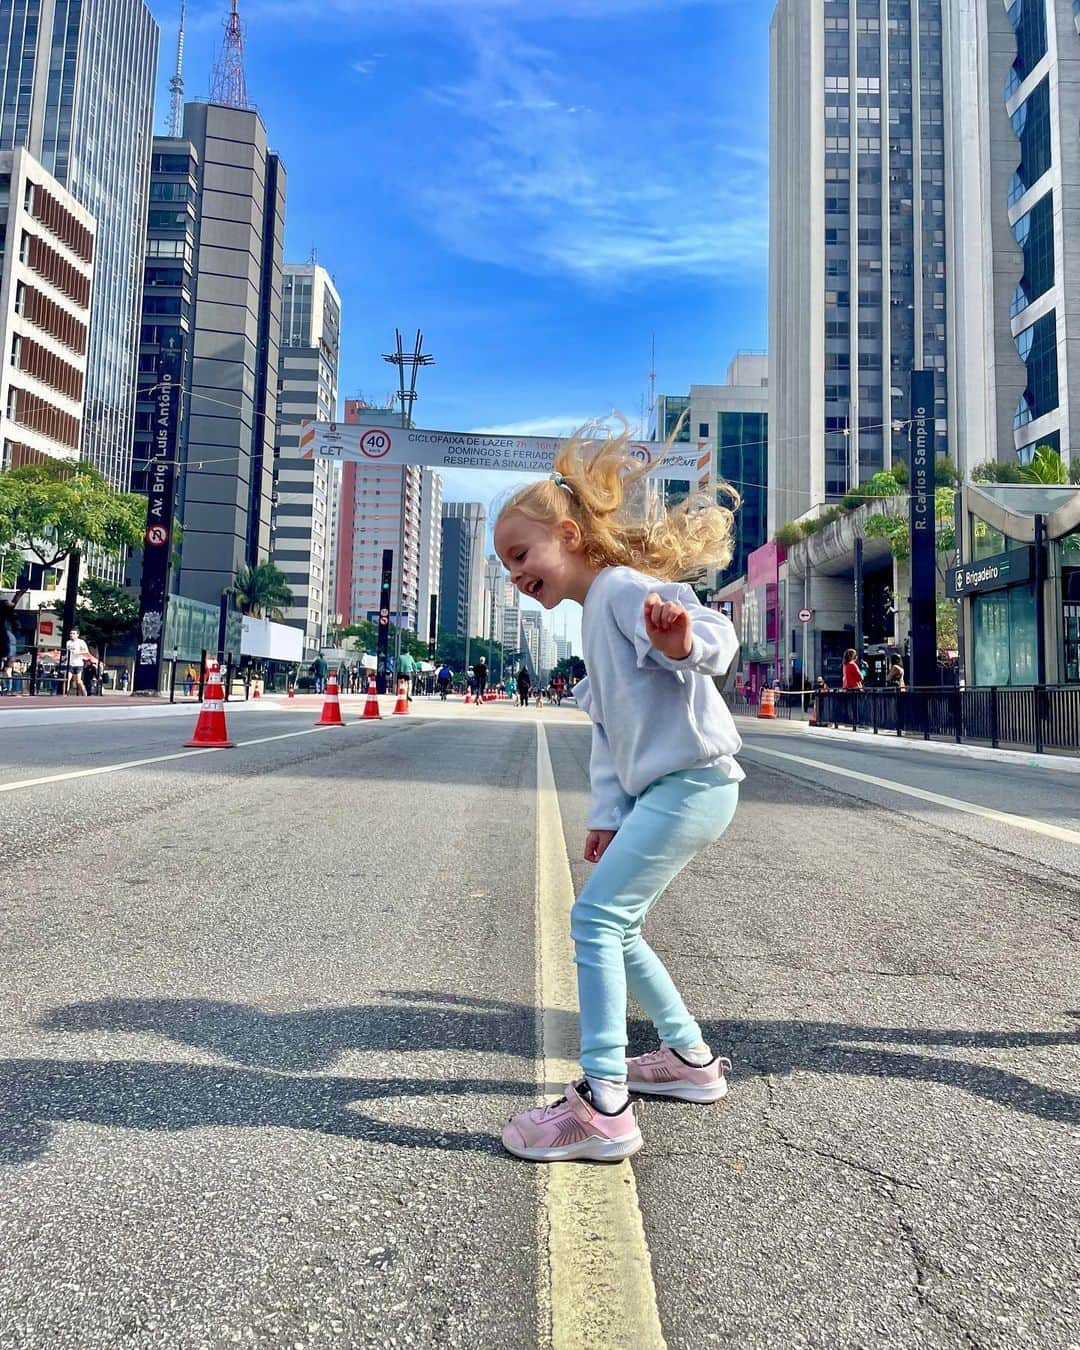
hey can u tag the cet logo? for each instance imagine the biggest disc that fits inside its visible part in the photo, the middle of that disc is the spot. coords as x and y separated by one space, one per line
374 444
157 534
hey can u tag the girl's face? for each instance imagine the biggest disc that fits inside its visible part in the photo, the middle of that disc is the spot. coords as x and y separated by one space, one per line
545 562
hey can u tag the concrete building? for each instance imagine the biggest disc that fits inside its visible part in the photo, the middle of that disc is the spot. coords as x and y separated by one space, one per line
430 552
213 269
231 424
532 624
734 417
374 503
46 286
461 593
307 388
77 91
1013 79
857 260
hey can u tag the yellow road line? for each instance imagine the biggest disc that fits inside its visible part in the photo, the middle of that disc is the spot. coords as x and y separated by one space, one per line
596 1285
1042 827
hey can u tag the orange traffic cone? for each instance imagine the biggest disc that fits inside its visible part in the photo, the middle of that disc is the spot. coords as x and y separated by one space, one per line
210 730
468 693
813 713
331 713
767 706
402 704
371 707
292 690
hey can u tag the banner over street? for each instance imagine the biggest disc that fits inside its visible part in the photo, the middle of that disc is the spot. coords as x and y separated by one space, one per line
471 450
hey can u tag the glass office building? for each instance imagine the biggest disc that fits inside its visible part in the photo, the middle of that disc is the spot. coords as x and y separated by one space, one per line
858 287
77 90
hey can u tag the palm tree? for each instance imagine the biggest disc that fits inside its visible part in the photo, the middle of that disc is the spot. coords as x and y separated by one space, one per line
262 591
1046 467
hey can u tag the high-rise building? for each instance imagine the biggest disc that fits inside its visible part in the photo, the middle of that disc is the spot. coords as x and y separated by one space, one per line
461 592
46 285
213 270
430 550
307 389
1012 80
231 424
734 418
532 628
77 91
857 266
378 505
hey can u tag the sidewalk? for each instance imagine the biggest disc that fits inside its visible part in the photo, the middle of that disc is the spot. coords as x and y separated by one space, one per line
887 742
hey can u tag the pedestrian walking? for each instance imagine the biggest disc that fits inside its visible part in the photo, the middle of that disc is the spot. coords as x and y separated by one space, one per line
664 776
407 671
190 676
852 676
319 671
524 683
481 672
77 652
8 640
896 679
444 679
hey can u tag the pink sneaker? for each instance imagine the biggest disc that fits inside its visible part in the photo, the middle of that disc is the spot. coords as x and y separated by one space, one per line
662 1073
570 1130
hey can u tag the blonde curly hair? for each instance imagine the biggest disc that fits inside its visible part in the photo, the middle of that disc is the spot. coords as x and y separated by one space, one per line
590 485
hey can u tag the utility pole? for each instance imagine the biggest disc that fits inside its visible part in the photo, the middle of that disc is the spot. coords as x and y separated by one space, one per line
413 360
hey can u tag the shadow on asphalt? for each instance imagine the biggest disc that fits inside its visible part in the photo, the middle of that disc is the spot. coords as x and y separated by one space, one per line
275 1047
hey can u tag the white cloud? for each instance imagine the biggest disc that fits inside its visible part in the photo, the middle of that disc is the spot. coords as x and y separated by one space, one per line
534 426
536 180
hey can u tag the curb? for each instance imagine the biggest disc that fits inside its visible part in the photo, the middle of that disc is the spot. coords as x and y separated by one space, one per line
1017 758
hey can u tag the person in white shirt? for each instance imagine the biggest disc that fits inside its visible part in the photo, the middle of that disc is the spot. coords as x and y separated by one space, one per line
662 768
77 652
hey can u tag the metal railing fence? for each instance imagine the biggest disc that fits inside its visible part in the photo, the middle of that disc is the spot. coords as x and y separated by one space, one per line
1038 717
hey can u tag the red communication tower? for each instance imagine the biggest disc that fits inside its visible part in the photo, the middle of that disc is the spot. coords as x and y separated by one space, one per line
228 85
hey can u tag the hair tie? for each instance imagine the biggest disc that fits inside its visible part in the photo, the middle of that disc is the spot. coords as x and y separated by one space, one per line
560 481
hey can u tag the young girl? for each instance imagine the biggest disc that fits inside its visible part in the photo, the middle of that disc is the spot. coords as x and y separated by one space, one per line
664 777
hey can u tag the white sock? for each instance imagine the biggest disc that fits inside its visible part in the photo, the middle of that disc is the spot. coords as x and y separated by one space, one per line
608 1095
699 1054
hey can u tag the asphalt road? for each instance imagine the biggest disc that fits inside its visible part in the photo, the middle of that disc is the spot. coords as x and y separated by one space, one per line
263 1011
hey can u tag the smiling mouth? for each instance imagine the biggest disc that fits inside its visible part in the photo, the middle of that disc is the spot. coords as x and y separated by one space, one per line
535 589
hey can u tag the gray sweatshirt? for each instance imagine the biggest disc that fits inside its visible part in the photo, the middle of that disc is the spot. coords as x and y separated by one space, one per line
651 716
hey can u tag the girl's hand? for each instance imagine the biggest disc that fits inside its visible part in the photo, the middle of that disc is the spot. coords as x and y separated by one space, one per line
596 842
669 627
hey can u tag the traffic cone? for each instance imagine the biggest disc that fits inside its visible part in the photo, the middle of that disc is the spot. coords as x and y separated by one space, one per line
402 705
292 690
371 707
813 713
210 730
468 693
331 713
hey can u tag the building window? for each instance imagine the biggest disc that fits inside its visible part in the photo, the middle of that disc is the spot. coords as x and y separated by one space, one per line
1037 346
1028 18
1035 234
1031 122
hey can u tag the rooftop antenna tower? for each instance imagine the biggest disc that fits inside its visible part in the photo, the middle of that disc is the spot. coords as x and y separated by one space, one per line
227 84
176 84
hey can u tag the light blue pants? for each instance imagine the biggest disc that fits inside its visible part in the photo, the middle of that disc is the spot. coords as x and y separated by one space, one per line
672 820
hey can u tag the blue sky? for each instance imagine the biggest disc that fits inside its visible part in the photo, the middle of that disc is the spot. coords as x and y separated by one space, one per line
539 185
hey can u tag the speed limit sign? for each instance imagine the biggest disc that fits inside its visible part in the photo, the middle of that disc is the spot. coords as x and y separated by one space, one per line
805 615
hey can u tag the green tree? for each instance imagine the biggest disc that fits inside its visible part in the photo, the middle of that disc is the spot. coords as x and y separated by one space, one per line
1046 467
994 472
895 528
105 613
365 637
572 668
262 591
53 510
